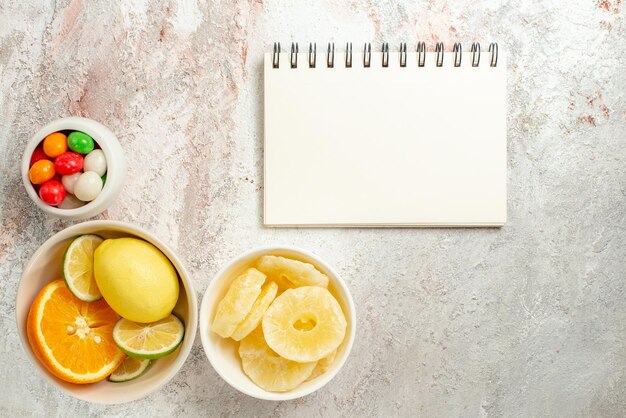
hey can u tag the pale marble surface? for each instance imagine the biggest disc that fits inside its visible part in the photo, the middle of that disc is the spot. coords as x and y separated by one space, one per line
527 320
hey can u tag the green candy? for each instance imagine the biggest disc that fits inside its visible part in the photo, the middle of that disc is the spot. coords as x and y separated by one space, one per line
80 142
104 179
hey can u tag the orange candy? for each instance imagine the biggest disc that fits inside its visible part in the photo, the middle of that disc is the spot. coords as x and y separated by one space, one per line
71 338
41 171
55 144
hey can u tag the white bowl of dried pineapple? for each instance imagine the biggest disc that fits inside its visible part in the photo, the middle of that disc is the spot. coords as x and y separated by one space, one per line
277 323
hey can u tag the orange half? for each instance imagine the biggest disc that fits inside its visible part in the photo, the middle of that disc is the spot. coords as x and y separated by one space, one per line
71 338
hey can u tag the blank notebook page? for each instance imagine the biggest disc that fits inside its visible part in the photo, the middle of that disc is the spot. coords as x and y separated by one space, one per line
385 146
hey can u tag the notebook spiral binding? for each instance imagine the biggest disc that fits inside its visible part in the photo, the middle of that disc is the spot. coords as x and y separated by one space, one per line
457 50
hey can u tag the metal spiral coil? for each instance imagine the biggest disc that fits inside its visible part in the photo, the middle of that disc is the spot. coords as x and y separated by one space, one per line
421 53
312 54
385 50
293 59
439 51
475 50
493 48
403 54
367 55
276 55
458 54
457 50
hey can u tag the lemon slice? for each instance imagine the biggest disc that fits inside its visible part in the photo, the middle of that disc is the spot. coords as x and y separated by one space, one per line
131 368
78 268
149 341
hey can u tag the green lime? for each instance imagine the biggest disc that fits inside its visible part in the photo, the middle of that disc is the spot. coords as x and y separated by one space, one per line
131 368
149 341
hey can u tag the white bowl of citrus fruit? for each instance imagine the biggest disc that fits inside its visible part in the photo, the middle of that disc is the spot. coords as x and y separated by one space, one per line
277 323
106 311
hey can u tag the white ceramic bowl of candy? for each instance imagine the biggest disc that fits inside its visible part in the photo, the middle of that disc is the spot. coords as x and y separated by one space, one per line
73 168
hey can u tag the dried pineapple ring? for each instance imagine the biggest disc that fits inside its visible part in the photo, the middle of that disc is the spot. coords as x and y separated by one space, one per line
323 365
267 369
304 324
282 282
296 272
240 297
268 293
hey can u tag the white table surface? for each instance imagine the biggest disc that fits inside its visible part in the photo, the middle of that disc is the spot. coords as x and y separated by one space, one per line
527 320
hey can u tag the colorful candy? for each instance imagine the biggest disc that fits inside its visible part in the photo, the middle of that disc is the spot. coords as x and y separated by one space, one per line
52 192
68 163
72 179
80 142
55 144
96 161
41 172
88 186
70 202
38 154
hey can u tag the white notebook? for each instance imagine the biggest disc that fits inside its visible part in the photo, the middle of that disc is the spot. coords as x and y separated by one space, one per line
420 141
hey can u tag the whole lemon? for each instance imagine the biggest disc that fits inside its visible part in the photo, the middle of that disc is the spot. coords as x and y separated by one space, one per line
135 279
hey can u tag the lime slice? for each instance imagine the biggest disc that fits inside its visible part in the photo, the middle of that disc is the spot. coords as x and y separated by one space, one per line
78 267
131 368
149 341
